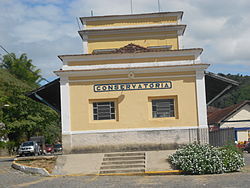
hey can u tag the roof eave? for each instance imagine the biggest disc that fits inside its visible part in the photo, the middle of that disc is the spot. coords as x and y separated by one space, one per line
130 16
65 57
176 27
222 78
234 110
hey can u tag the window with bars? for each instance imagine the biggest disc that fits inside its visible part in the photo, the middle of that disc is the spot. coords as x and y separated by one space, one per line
103 110
163 108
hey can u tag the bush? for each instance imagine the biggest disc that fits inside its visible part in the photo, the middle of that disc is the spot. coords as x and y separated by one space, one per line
232 160
2 144
232 147
206 159
10 145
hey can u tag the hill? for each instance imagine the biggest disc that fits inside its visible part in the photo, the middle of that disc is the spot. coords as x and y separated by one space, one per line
236 95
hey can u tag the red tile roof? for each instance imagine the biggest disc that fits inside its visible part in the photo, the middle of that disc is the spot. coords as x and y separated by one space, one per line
130 48
212 109
219 115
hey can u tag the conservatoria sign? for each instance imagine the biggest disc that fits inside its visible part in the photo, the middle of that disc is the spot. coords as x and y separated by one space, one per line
132 86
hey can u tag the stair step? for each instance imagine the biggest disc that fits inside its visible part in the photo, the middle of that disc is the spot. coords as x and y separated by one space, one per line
123 162
122 166
122 171
123 158
123 154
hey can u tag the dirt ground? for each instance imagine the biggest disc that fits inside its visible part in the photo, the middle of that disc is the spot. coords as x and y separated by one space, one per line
48 164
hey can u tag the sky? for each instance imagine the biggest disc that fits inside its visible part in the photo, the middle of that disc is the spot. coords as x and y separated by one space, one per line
44 29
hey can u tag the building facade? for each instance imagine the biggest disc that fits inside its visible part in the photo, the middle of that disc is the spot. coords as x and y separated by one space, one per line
236 116
134 87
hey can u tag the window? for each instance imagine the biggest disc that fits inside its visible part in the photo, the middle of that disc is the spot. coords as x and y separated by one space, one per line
163 108
103 110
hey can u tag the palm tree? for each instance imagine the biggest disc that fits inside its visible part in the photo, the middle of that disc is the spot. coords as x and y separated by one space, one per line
22 68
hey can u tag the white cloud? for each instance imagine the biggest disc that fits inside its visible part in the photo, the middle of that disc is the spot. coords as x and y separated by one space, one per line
47 28
41 31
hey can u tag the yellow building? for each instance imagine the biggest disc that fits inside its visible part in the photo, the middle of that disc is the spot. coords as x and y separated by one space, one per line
133 87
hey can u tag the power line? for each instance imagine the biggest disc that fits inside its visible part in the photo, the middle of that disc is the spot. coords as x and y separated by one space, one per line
26 68
4 49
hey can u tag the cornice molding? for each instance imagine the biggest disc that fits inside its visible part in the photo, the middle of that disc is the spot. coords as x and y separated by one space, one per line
131 30
178 14
118 56
149 69
128 26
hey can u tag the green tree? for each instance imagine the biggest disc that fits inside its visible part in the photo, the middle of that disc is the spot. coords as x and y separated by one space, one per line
22 68
238 94
24 117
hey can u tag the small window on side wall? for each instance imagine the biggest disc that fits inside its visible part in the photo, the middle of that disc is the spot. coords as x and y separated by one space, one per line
163 108
103 110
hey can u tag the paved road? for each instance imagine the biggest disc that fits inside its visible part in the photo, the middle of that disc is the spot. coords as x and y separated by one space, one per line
12 178
247 158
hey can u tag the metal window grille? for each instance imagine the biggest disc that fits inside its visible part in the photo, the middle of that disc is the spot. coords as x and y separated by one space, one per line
163 108
103 110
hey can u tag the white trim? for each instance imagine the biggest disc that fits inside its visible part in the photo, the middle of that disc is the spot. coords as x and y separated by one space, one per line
135 78
198 59
129 26
169 53
181 44
84 37
65 63
128 130
201 98
84 25
128 65
162 28
85 47
65 104
132 16
155 69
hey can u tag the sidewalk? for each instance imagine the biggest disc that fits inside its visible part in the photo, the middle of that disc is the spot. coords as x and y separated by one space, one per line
155 161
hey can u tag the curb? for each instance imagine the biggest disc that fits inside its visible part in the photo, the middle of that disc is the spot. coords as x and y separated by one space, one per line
7 157
29 169
147 173
44 172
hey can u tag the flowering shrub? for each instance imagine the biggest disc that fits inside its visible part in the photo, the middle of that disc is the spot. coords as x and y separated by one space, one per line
232 161
206 159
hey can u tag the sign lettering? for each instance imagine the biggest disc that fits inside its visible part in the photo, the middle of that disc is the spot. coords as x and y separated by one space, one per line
132 86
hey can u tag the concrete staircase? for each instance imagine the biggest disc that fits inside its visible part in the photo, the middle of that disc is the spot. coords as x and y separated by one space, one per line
121 163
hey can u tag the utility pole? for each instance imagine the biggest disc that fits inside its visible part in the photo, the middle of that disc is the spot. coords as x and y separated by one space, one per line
159 6
131 6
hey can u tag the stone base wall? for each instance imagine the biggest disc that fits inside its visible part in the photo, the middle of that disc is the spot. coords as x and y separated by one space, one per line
132 140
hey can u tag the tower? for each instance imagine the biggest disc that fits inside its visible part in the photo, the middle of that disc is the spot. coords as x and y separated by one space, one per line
133 87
